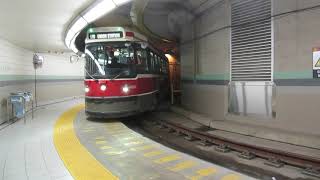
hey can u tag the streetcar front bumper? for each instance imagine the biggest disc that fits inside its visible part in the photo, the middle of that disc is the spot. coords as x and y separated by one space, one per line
111 107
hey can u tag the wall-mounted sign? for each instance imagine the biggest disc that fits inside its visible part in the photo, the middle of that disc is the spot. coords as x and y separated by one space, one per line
316 62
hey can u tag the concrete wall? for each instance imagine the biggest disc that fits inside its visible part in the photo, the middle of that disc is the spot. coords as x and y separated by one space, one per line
297 93
57 79
210 64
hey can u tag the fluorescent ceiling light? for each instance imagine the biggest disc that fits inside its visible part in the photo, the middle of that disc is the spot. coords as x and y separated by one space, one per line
73 44
120 2
76 27
99 10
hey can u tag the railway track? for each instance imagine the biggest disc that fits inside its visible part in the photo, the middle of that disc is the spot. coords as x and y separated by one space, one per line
309 165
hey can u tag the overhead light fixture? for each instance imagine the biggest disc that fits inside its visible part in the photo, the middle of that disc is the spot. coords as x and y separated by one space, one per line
98 9
92 13
75 28
120 2
73 44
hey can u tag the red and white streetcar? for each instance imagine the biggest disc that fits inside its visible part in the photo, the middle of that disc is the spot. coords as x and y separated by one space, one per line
125 75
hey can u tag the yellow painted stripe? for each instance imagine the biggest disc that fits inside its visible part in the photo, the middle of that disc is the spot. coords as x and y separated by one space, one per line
167 159
231 177
105 147
142 148
100 138
203 173
128 138
133 143
88 130
114 152
122 135
118 130
118 125
101 142
182 166
80 163
153 153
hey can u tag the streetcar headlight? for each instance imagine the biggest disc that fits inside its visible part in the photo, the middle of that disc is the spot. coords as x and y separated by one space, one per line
103 87
125 89
86 89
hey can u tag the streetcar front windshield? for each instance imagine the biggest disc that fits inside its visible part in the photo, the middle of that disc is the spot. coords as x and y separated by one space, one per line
109 60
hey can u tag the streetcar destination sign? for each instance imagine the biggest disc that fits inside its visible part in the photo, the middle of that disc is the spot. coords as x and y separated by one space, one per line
109 35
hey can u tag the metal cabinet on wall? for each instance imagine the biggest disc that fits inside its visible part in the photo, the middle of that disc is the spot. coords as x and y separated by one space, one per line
251 86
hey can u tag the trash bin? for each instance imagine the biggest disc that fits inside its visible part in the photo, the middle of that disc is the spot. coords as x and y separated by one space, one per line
18 105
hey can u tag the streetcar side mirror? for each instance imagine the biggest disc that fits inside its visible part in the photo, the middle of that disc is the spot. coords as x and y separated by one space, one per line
144 45
74 58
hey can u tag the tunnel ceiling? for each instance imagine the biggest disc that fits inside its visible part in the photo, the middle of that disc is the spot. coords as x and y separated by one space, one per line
170 15
38 25
118 17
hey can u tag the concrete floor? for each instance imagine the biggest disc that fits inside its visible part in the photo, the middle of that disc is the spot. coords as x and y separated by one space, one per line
129 155
27 151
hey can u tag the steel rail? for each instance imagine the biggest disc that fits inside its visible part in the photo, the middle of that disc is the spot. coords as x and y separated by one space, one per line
273 155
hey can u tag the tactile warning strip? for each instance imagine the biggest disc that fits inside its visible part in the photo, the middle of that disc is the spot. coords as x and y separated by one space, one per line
80 163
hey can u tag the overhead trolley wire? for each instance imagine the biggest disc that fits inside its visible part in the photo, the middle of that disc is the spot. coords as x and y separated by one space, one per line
273 17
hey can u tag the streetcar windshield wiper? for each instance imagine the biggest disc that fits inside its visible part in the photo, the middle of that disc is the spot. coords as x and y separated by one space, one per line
119 74
89 75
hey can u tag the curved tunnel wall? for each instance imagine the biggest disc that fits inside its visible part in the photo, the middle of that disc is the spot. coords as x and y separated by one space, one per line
57 80
205 66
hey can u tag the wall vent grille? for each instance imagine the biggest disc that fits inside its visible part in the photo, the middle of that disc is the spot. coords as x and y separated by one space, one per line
251 40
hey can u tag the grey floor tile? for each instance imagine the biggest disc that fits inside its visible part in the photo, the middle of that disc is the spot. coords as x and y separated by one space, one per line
65 178
16 177
28 149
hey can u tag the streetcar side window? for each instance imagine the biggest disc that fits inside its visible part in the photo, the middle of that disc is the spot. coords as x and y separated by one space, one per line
152 59
157 64
142 63
164 70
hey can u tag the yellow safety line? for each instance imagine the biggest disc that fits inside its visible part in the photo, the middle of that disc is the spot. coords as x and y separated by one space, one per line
167 159
101 142
182 166
203 172
133 143
153 153
100 138
80 163
105 147
142 148
231 177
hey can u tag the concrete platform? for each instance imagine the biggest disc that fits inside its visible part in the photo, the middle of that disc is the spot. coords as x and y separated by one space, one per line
129 155
27 151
